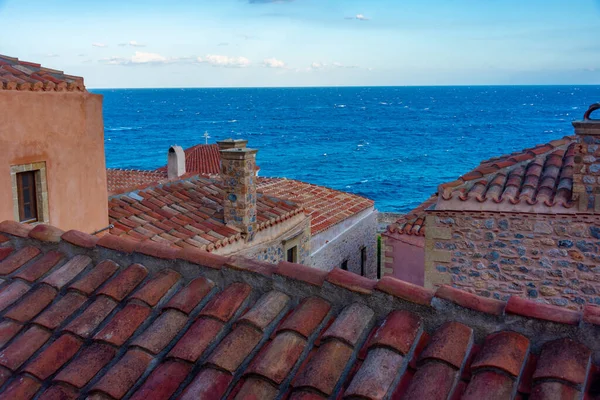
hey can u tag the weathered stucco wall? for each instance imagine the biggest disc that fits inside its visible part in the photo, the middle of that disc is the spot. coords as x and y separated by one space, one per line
551 258
269 245
344 241
404 257
64 130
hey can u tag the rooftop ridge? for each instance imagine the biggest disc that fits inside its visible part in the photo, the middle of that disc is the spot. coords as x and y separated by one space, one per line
436 307
21 75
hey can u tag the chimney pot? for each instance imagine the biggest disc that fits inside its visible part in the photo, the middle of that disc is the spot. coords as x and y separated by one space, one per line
232 144
175 162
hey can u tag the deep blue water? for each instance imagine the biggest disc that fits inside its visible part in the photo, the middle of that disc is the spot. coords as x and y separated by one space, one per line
392 144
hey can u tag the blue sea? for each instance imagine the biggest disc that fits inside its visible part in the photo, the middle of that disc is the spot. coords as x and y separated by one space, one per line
391 144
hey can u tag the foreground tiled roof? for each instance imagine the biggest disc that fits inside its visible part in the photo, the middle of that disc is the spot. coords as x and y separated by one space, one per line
539 179
327 207
22 75
202 159
120 180
413 223
111 318
187 213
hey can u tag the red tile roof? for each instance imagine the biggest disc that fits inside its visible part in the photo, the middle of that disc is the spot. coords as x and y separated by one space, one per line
533 180
121 180
327 207
156 323
202 159
22 75
187 213
539 179
413 223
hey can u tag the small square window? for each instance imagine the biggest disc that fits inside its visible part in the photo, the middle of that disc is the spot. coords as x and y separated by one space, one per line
345 265
27 196
292 254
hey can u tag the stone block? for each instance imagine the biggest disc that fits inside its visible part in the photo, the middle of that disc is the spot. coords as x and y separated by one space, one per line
437 232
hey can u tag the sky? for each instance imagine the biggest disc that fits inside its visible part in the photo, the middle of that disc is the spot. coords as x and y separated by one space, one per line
239 43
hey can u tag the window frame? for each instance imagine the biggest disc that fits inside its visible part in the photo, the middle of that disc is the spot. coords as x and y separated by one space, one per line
32 198
294 250
344 265
41 191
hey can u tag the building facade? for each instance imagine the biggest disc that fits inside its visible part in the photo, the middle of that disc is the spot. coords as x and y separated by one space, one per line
526 224
52 138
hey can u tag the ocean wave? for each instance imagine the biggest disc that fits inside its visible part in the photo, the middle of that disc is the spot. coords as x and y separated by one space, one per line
123 128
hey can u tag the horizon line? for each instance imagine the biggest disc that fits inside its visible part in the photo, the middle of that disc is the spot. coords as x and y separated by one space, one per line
344 86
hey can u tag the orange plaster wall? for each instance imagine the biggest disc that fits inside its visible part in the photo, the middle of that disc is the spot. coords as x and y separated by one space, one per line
65 130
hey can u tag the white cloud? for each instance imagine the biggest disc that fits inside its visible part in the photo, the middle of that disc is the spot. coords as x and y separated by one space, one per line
132 43
52 55
359 17
315 66
273 63
224 61
140 58
99 45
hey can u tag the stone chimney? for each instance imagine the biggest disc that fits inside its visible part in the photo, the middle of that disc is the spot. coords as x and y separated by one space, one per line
175 162
586 177
232 144
238 165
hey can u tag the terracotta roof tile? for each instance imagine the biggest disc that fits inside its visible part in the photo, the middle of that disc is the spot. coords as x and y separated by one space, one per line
209 384
327 207
450 343
163 381
18 259
199 336
123 324
11 293
90 282
563 360
506 351
398 331
21 75
184 336
351 324
5 252
92 316
121 285
54 356
124 374
120 180
63 275
86 365
188 210
58 312
59 392
202 159
8 330
161 332
32 304
226 303
305 319
376 375
325 368
489 385
23 387
154 289
23 347
40 267
235 347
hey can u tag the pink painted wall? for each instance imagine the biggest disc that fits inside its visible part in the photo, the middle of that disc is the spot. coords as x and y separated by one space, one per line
405 258
64 129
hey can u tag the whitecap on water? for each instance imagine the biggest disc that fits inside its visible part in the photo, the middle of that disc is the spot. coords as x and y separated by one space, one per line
233 120
340 106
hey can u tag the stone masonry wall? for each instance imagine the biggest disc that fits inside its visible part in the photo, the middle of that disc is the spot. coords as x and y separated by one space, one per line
550 258
347 246
274 250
